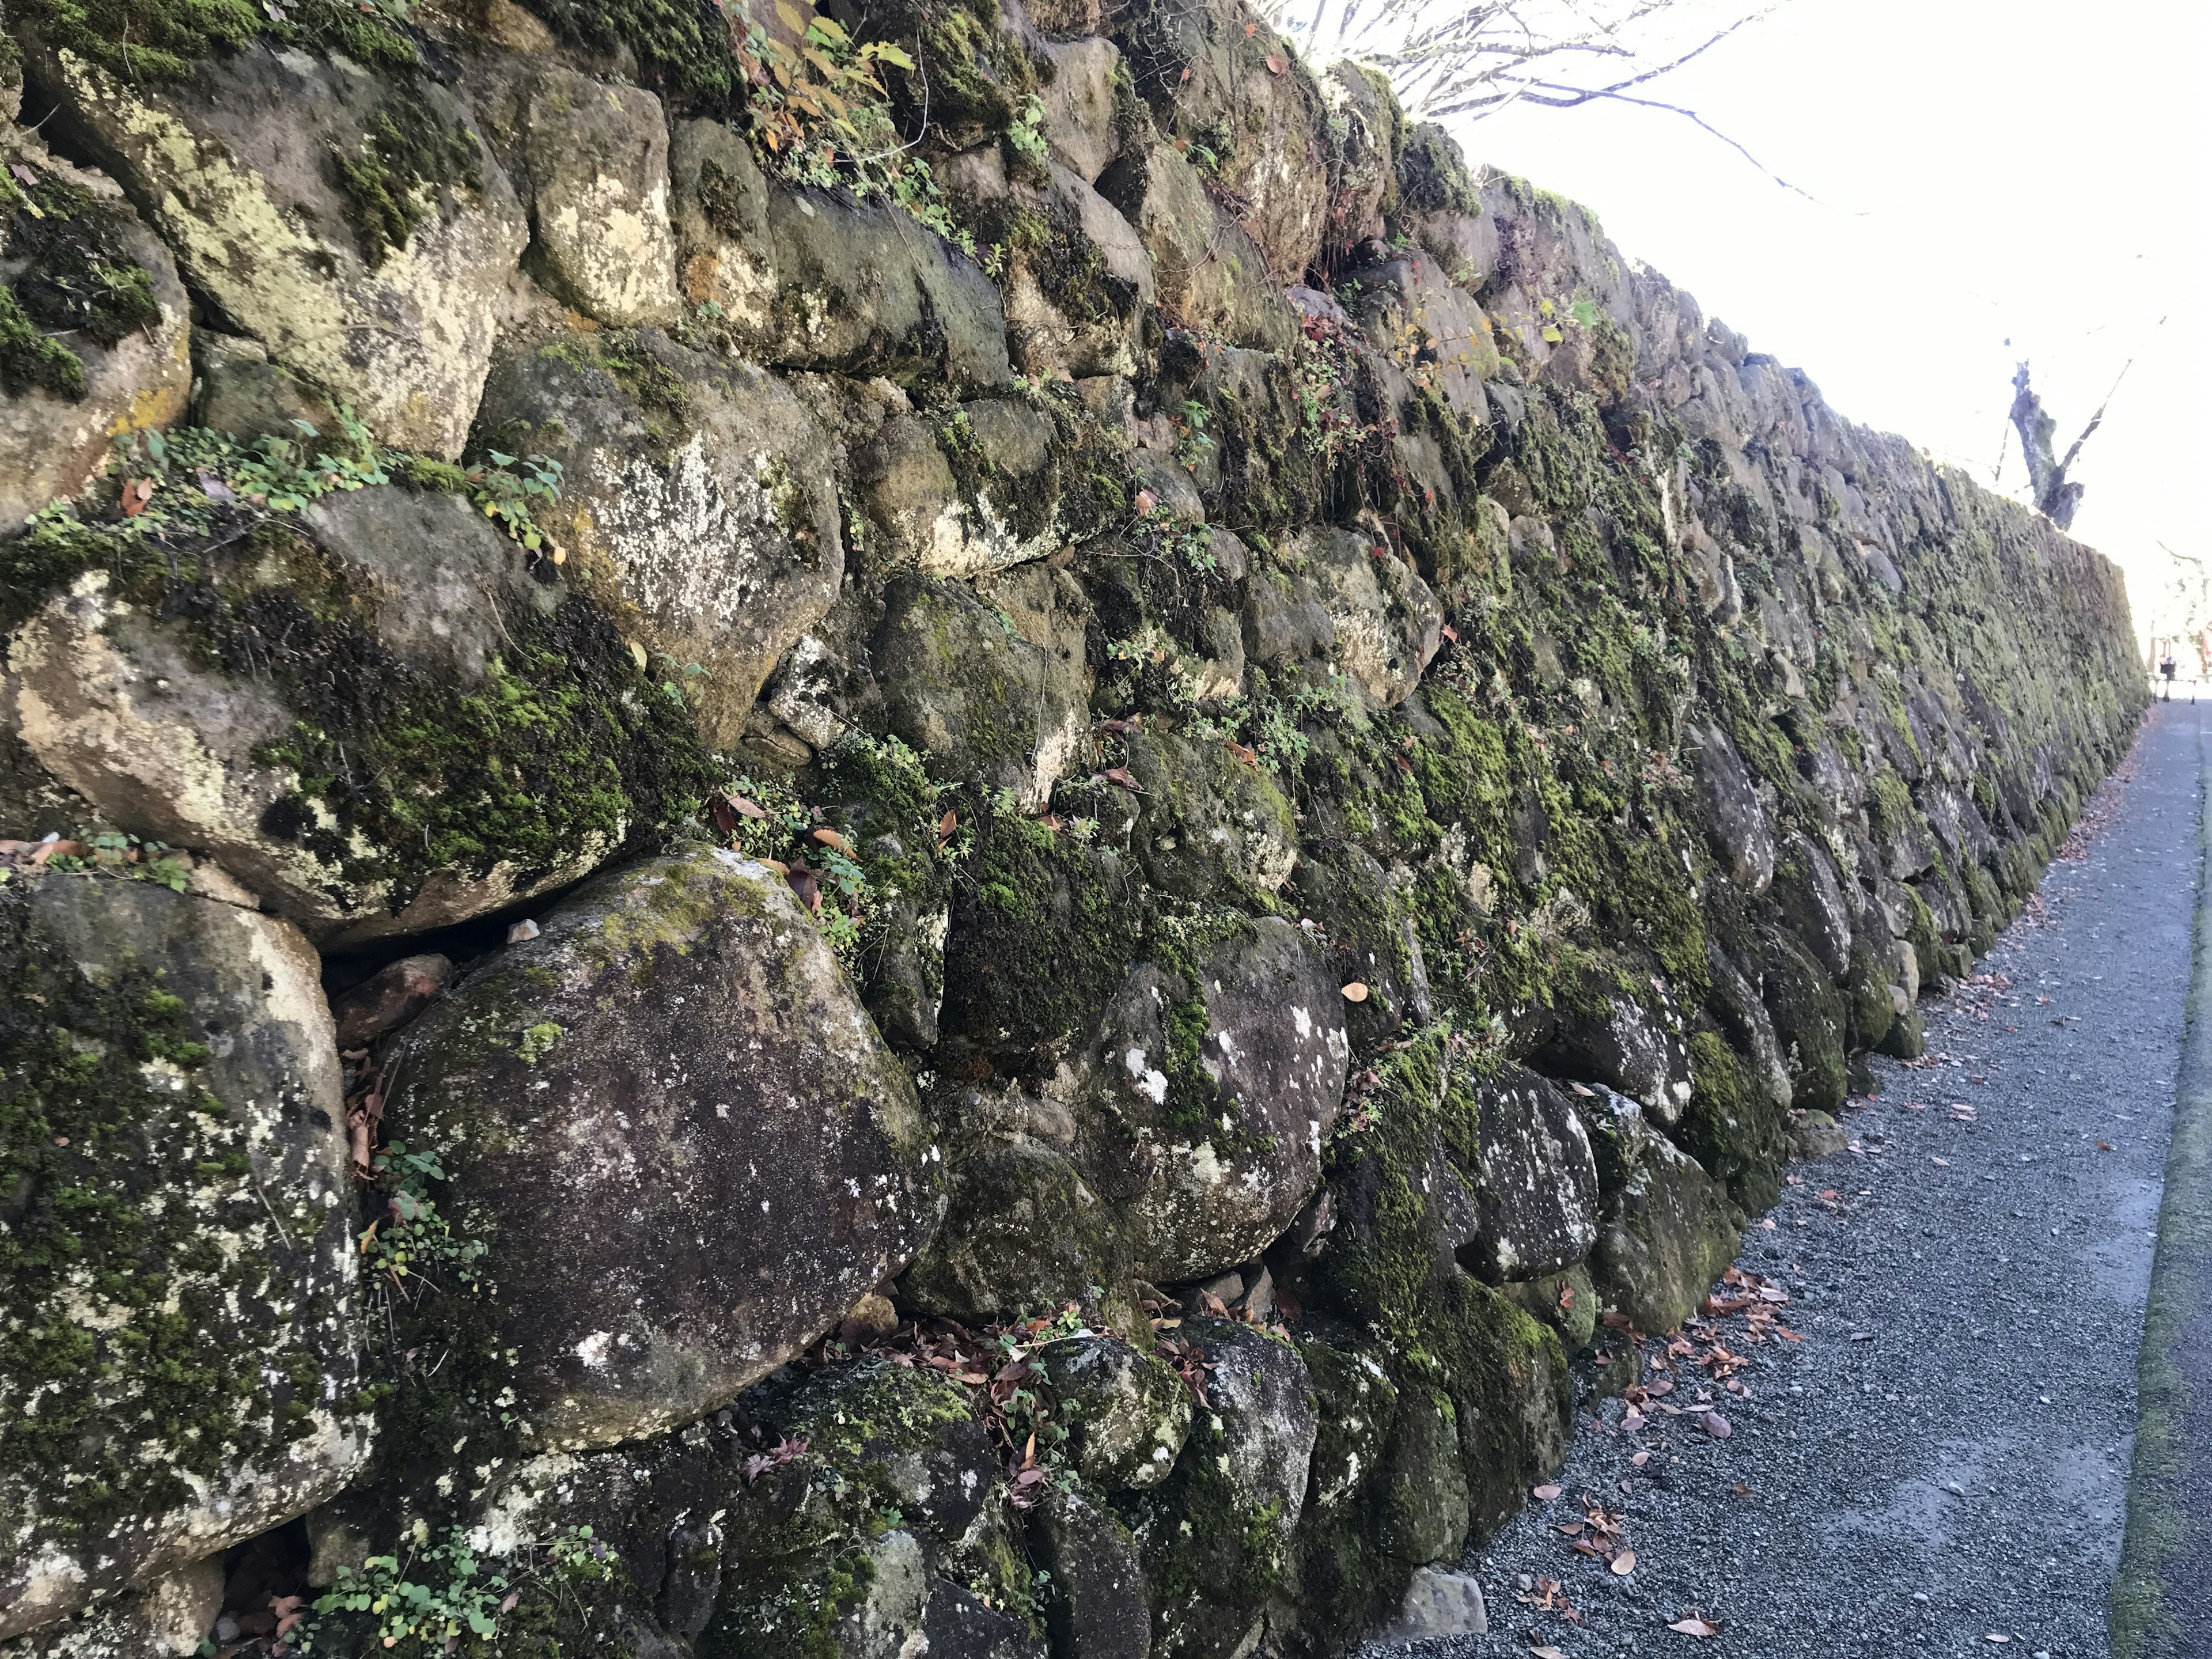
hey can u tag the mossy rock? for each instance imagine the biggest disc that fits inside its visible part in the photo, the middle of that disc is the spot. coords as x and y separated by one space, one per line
638 992
381 715
179 1332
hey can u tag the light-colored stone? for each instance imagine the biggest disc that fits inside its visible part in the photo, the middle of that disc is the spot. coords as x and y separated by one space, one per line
1439 1603
717 520
249 206
597 157
51 445
1078 105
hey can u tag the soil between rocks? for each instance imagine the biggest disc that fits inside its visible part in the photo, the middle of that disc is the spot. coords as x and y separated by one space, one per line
1942 1461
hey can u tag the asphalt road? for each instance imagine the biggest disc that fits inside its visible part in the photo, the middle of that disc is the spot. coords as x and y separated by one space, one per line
1939 1466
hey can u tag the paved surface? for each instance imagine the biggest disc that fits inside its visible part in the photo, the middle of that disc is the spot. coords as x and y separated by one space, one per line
1939 1466
2162 1600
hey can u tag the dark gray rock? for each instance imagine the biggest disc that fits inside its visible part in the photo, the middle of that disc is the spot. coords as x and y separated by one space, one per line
1097 1607
1668 1228
676 1049
1128 1413
1211 1156
1631 1044
964 687
178 1062
810 279
1538 1185
1734 819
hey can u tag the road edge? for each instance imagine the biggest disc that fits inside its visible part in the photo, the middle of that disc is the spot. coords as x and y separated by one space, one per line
2160 1530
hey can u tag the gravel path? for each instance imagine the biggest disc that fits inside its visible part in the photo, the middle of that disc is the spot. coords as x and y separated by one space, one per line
1939 1466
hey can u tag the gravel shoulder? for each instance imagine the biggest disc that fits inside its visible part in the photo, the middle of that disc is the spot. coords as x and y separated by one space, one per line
1940 1465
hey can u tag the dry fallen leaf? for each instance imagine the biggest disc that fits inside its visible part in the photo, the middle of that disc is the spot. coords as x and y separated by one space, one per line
1355 992
1547 1653
831 838
1623 1564
1641 1459
1545 1494
1695 1626
945 826
1718 1426
1278 64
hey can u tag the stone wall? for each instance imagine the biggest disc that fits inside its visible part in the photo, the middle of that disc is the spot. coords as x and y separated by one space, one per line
981 829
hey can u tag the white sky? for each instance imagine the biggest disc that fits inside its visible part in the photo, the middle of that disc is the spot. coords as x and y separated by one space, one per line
1988 170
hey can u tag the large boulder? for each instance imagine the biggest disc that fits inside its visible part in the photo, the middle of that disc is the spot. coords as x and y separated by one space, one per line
811 279
593 160
83 268
1213 1083
1211 824
1432 327
1735 820
1388 625
699 485
674 1050
380 716
380 277
1217 1536
1078 302
1638 1046
178 1359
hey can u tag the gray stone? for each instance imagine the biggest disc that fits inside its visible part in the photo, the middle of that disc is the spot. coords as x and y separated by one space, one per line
1077 305
237 391
1217 1162
1022 1229
710 502
677 1047
1437 1603
1080 122
1388 624
1128 1413
1210 273
1538 1188
1629 1044
1424 1507
1815 1135
259 223
596 157
964 687
1668 1229
1814 905
120 703
808 279
1734 817
1433 328
1097 1608
206 1132
1211 825
53 444
924 516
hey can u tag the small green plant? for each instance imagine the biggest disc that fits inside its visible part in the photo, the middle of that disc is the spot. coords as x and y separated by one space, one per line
414 1239
1026 135
505 496
436 1596
1192 441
